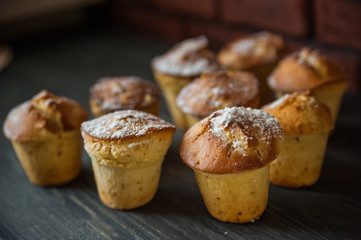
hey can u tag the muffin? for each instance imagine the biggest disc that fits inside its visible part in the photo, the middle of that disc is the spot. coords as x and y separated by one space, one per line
127 149
230 152
178 67
215 91
45 133
258 53
111 94
310 70
306 123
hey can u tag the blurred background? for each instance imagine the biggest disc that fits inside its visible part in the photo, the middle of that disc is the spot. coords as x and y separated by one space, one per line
334 26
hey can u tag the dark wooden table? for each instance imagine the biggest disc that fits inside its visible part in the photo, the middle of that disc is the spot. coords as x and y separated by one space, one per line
67 65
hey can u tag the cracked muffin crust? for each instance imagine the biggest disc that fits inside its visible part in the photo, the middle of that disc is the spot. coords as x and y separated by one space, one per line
251 50
45 113
218 90
301 114
188 58
232 140
305 70
111 94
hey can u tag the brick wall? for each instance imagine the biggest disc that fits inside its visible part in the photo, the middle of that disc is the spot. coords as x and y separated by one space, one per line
333 26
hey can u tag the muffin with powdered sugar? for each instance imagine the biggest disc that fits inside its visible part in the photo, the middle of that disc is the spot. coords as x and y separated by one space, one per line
230 152
258 53
183 63
127 149
307 123
45 133
217 90
110 94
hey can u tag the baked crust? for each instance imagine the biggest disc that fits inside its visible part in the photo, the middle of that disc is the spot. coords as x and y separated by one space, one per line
251 50
44 113
301 114
218 90
189 58
305 70
232 140
110 137
122 93
126 124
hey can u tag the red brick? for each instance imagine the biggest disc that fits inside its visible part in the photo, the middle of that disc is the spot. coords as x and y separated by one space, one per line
339 22
287 16
204 8
218 35
155 24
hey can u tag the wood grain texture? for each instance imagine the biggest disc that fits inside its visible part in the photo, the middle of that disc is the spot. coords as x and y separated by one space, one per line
67 66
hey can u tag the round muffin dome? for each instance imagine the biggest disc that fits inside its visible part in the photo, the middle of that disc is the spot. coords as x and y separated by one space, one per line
189 58
110 94
232 140
301 114
218 90
305 70
251 50
124 124
45 113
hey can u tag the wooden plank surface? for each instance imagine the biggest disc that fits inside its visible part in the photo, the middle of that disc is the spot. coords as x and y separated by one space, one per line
67 66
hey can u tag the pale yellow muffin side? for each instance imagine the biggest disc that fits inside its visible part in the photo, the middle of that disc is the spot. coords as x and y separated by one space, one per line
238 197
331 94
53 160
262 72
171 86
95 108
300 160
230 152
133 181
190 120
127 149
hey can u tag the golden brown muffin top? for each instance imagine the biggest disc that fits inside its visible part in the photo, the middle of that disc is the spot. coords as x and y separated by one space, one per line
189 58
305 70
122 93
44 113
232 140
124 124
301 114
218 90
251 50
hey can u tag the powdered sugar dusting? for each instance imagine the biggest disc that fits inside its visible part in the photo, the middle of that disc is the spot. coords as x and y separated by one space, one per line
118 93
209 94
244 45
254 43
235 125
176 62
259 44
122 124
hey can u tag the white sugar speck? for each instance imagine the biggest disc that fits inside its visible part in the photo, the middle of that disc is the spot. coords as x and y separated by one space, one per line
174 61
229 118
121 124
